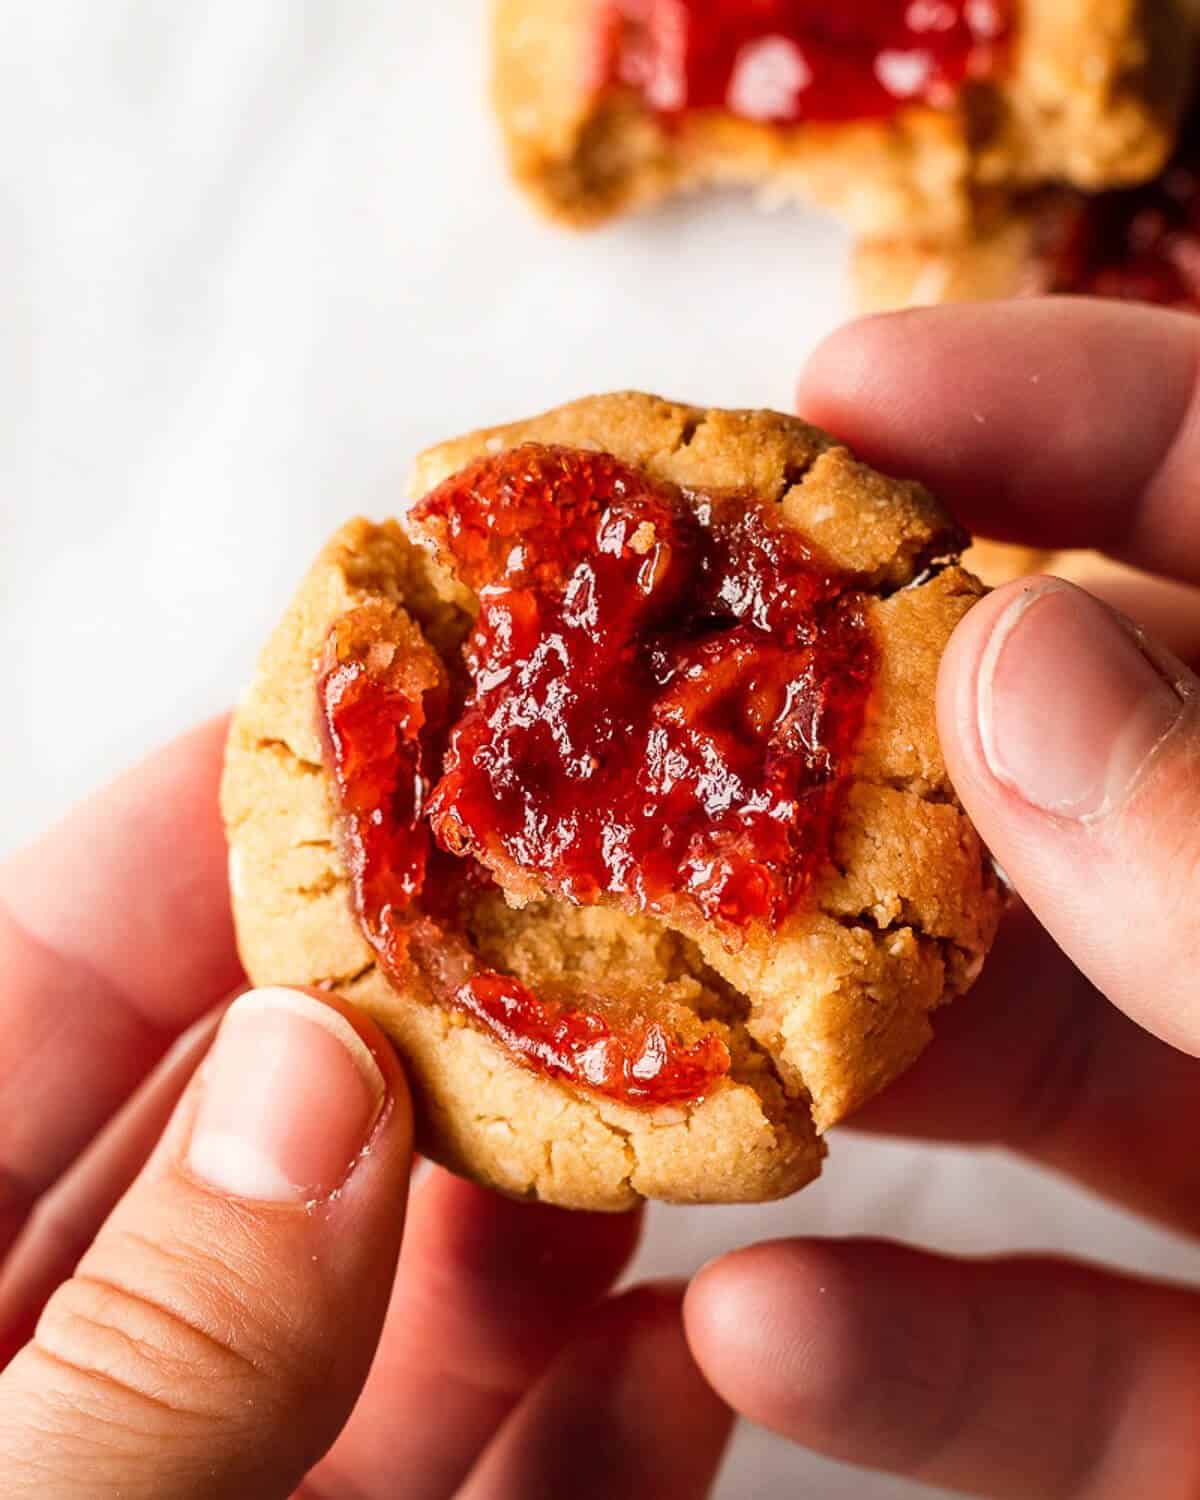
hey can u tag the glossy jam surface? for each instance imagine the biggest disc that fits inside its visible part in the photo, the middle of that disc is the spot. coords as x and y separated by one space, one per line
382 700
666 693
1139 245
637 1062
784 61
668 690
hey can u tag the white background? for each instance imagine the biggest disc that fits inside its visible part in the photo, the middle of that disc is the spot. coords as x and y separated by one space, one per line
253 255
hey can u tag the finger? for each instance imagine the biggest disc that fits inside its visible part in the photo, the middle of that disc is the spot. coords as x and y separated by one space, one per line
488 1292
66 1220
1170 612
1036 1060
1017 1379
1056 422
216 1335
1075 747
115 935
624 1414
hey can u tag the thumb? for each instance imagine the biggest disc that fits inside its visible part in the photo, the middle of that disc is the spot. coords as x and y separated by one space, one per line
217 1333
1074 743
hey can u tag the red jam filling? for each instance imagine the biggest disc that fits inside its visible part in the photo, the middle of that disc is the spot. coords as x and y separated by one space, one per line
1141 244
667 691
382 699
784 61
639 1062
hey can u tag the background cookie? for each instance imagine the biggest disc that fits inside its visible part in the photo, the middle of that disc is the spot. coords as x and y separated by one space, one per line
1128 243
817 1017
1086 93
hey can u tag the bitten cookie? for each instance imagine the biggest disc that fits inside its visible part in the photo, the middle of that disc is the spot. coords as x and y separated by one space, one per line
894 121
1137 244
608 782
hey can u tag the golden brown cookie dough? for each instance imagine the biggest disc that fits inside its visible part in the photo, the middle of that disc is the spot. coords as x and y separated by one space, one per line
1089 96
998 259
998 562
818 1014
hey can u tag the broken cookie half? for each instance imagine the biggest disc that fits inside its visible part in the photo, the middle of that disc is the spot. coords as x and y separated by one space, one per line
609 783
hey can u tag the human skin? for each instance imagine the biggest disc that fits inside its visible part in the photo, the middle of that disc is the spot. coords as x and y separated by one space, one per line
1074 743
238 1323
243 1321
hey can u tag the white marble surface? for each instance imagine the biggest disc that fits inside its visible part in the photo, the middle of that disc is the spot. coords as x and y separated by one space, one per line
253 254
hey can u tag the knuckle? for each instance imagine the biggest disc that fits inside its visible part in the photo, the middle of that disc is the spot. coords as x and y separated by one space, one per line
199 1325
191 1345
121 1352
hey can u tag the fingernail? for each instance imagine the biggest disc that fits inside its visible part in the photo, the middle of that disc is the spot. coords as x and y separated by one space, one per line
1070 707
290 1095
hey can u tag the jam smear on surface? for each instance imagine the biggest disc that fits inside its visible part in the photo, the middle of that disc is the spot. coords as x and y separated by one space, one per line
667 692
784 61
669 688
1140 244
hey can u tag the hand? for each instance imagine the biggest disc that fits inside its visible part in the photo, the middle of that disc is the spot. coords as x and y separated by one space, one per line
1075 746
237 1322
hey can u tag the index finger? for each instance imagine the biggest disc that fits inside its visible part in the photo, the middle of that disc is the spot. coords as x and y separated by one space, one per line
1059 422
115 934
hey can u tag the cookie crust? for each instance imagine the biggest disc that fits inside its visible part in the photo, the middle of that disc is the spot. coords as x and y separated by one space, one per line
1090 98
819 1015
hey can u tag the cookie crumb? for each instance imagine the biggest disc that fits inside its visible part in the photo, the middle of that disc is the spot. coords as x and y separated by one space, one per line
643 539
